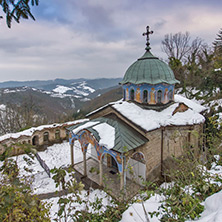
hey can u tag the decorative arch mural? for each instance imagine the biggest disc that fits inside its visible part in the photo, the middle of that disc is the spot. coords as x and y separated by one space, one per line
85 137
139 156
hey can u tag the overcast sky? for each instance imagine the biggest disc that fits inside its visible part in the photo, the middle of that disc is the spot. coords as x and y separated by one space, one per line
97 38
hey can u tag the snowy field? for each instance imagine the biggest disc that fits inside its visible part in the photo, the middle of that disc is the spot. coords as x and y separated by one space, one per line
55 156
59 155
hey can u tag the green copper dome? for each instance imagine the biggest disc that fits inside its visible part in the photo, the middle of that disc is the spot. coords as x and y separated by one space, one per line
149 69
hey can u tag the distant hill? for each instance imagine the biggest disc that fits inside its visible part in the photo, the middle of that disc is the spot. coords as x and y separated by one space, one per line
55 98
112 95
99 83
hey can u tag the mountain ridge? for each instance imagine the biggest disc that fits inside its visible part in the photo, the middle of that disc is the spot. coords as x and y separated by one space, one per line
98 82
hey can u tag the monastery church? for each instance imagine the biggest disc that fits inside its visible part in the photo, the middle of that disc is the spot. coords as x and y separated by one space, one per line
136 136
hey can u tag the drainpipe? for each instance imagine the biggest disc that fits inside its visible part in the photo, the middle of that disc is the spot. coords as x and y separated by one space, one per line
72 154
101 172
124 173
161 157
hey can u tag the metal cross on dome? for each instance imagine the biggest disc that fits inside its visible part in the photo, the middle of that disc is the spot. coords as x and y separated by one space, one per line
147 33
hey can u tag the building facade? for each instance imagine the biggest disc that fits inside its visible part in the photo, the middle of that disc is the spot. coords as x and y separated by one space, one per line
138 134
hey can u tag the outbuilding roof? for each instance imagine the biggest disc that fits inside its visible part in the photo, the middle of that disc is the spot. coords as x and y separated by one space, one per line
122 136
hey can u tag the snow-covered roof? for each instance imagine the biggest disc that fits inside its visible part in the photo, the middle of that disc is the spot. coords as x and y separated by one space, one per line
152 119
106 134
149 119
84 125
112 134
29 132
190 103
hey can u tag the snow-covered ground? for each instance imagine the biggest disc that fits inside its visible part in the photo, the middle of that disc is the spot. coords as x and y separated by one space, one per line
59 155
89 196
56 155
212 205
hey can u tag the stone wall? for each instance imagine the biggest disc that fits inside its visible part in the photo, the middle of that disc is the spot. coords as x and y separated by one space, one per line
164 143
39 138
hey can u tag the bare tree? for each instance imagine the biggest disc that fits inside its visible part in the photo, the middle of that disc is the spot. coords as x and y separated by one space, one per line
196 48
10 119
176 45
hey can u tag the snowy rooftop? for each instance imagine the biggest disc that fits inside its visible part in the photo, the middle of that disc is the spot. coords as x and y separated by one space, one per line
152 119
29 132
112 134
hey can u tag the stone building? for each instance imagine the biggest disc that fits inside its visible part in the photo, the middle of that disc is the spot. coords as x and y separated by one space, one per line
139 133
39 137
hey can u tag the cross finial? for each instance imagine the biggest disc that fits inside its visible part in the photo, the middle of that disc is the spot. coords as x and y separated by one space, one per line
147 33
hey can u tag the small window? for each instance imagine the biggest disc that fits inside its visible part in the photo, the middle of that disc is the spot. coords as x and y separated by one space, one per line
124 94
159 96
132 94
46 136
57 134
145 96
170 95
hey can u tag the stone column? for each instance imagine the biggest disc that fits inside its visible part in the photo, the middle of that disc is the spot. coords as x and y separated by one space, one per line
101 172
121 181
122 178
84 161
72 155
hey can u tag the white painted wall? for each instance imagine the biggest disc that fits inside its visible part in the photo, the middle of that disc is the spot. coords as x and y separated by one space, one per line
138 169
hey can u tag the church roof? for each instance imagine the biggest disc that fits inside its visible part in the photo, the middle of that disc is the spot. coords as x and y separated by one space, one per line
149 69
112 133
149 120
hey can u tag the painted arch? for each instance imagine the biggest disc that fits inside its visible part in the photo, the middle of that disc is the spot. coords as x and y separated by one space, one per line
85 138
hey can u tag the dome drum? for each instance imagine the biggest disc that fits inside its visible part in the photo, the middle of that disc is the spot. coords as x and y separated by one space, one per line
148 94
149 81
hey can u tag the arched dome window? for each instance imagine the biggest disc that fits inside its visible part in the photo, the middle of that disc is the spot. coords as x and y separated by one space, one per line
124 94
159 96
132 92
170 95
145 96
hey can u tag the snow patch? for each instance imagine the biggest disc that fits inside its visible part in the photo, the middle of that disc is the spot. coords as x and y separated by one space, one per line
135 213
88 124
106 134
2 107
61 89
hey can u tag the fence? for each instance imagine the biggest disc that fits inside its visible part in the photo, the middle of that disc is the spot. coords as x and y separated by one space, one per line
43 164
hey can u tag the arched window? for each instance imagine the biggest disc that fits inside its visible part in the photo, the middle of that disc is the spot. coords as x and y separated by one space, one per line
132 94
46 137
124 94
159 96
35 140
170 95
145 96
57 134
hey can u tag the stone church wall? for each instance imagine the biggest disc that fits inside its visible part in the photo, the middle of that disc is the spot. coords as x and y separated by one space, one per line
167 142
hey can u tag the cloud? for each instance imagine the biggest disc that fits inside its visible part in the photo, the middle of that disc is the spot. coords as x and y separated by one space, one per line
97 38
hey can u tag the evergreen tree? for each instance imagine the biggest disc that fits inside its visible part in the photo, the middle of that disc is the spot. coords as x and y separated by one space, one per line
218 43
17 9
